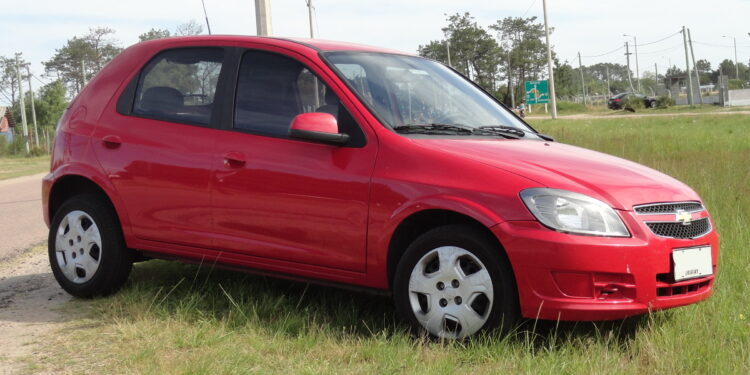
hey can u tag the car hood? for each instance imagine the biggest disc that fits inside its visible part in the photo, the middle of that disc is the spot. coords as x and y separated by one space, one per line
619 182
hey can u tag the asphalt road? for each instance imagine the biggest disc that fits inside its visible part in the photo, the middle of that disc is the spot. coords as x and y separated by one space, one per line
21 222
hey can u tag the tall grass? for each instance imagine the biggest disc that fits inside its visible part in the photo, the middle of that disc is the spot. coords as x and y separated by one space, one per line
175 318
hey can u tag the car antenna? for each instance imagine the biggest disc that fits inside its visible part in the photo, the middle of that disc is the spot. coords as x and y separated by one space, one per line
208 25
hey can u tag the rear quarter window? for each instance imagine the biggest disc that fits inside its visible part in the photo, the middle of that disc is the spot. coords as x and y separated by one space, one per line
179 85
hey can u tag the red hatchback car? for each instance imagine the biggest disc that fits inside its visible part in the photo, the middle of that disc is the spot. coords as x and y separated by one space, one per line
356 165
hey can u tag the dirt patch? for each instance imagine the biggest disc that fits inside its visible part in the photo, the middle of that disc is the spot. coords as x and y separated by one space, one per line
30 301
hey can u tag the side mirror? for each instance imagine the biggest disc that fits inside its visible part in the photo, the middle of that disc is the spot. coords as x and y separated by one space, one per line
317 127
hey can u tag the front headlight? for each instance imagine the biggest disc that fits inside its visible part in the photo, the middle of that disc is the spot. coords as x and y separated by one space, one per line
571 212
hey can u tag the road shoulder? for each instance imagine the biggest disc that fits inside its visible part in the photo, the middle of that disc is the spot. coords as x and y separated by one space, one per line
30 308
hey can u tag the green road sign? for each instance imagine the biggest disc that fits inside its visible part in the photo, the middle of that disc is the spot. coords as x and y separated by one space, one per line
537 92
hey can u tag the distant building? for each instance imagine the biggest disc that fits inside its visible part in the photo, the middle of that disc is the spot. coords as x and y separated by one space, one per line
6 124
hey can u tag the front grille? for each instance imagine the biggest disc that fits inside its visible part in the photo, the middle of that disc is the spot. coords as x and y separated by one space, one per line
695 229
668 208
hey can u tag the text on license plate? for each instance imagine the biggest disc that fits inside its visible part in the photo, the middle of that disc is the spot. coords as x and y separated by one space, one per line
692 262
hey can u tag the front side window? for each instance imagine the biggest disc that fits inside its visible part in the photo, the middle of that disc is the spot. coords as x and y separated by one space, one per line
408 90
179 85
273 89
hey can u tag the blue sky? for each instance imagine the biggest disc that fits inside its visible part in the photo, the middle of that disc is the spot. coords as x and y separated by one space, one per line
38 27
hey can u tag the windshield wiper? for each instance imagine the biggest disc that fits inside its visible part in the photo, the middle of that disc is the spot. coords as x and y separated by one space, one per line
510 130
434 129
506 131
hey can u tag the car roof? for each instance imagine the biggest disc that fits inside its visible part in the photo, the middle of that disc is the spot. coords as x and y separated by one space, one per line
315 44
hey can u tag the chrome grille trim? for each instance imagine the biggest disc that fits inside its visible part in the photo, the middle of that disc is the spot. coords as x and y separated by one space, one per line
667 208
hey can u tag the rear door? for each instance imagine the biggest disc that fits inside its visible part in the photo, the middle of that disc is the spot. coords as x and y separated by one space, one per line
157 147
289 199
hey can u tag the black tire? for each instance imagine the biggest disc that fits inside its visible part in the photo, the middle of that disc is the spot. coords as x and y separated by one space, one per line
504 312
113 259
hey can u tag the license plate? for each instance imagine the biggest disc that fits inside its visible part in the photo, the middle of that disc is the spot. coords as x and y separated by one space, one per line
692 262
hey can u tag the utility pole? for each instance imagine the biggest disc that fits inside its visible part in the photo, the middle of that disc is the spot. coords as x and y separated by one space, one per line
510 85
263 17
83 74
309 16
609 91
316 95
550 70
687 68
208 25
695 68
627 55
448 47
637 68
656 77
23 105
583 84
736 65
33 109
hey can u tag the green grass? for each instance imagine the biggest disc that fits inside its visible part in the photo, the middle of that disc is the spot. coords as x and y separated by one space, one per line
570 108
181 319
16 166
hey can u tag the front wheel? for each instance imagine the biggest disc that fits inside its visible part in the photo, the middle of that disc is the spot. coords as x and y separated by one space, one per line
453 282
87 252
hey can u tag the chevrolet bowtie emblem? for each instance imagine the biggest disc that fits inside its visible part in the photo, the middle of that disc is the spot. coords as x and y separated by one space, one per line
683 217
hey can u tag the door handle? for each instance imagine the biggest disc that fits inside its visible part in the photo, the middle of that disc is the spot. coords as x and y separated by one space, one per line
234 159
112 141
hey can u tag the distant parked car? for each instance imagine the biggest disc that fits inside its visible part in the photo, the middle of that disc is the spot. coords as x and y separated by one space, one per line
618 101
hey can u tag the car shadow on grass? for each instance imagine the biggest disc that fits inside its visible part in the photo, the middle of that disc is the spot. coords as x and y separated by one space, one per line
171 290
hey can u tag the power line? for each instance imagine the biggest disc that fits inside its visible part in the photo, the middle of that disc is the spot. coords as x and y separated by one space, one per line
719 45
529 8
605 53
662 50
660 40
6 96
40 81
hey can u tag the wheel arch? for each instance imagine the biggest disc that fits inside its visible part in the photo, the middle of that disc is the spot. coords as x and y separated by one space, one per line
419 222
69 185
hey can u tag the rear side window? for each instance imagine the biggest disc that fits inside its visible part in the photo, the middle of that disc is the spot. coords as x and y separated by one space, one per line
179 85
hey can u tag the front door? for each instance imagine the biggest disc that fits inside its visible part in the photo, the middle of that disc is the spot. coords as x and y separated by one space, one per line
287 199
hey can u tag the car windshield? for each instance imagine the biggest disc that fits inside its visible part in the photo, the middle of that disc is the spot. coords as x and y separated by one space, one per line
408 92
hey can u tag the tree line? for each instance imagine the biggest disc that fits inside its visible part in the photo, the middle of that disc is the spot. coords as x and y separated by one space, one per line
513 50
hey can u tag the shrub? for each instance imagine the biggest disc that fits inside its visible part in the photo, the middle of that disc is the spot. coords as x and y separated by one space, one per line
735 84
664 101
633 102
17 147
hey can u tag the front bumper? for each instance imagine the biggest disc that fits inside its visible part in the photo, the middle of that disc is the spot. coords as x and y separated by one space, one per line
572 277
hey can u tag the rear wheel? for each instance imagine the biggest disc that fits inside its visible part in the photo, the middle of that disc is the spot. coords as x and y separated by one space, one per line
454 282
87 252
